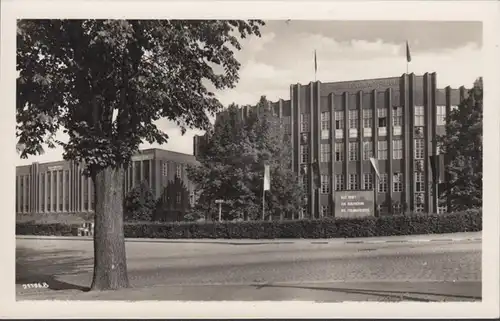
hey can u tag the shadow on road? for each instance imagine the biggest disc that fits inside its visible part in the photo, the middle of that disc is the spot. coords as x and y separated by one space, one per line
393 294
38 267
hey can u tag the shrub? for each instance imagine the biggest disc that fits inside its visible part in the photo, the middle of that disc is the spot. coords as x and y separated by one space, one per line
468 221
139 203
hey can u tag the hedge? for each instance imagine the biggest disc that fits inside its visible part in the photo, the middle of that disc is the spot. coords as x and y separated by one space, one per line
469 221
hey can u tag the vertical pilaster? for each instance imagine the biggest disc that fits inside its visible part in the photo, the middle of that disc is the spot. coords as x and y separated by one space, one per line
390 132
89 195
405 103
345 100
58 180
46 194
133 174
433 142
18 194
360 137
427 145
316 135
141 166
411 146
375 146
40 187
446 159
82 193
151 176
332 146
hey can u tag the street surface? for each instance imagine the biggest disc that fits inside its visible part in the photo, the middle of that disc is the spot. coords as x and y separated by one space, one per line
317 270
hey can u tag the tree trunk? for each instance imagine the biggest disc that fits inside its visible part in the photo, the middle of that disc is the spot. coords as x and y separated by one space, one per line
110 265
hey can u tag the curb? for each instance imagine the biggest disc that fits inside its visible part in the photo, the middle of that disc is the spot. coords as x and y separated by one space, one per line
257 242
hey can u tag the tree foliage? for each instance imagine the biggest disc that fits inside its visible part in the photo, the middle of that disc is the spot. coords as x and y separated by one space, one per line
105 83
140 203
463 146
232 166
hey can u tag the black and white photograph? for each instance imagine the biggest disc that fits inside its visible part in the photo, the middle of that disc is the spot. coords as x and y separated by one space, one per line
239 159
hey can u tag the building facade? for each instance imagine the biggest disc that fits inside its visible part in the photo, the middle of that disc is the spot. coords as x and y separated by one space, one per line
342 124
60 187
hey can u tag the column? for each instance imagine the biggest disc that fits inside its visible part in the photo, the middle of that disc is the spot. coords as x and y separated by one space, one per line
57 190
18 194
390 178
40 186
151 176
28 193
64 209
70 194
82 194
133 174
405 92
141 166
332 147
25 200
89 192
375 146
46 192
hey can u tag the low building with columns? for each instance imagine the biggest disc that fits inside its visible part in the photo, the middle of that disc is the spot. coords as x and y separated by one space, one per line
60 187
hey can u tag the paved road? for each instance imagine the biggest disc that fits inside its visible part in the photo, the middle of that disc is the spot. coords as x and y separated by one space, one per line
435 271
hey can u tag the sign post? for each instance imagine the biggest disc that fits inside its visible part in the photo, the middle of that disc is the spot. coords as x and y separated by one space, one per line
220 208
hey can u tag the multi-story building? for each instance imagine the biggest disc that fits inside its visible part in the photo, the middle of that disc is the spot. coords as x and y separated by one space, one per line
342 125
60 187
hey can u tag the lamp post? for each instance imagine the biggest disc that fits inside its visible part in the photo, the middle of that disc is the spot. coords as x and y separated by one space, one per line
220 208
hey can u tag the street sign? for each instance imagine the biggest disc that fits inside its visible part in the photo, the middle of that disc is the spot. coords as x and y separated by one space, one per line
354 203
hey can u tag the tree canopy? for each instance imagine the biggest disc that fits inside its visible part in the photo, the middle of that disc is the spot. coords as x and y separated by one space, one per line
463 146
232 166
106 82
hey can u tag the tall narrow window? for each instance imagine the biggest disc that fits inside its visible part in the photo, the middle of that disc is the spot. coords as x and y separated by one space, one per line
367 118
353 118
353 182
325 210
164 169
382 149
178 171
304 123
339 120
397 182
419 116
397 149
339 152
382 183
305 182
367 150
304 154
325 125
419 149
326 153
325 184
441 115
367 181
353 151
339 182
397 117
382 117
419 182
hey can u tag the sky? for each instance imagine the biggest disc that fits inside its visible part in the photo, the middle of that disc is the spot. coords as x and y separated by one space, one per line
346 50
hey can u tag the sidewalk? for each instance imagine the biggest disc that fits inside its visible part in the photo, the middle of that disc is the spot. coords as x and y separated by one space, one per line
451 237
319 292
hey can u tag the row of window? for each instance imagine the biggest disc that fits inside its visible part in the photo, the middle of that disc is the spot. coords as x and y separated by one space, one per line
353 182
397 118
165 168
353 151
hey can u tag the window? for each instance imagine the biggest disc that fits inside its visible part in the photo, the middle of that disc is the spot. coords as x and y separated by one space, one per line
325 125
367 181
339 152
305 182
325 121
367 118
325 153
339 182
304 154
367 150
178 171
353 182
382 149
419 182
339 120
304 123
442 209
397 208
325 210
419 116
353 151
440 115
397 149
397 182
382 183
419 149
325 184
353 118
287 124
49 186
382 209
419 203
164 169
397 117
382 117
178 198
